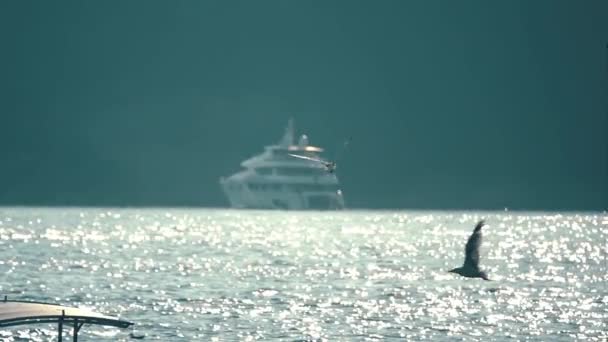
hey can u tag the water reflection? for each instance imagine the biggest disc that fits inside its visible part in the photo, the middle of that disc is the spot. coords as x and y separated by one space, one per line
252 275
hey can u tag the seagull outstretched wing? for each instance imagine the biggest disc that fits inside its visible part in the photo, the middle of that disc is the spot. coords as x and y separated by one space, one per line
471 251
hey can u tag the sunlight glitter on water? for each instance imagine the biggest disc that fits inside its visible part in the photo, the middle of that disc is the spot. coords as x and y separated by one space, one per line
253 275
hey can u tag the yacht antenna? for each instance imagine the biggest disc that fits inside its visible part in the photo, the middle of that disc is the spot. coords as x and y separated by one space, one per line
287 139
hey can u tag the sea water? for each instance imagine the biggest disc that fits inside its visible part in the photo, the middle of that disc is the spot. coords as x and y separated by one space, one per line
231 275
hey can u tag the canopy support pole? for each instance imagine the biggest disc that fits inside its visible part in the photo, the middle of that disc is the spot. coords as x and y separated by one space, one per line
60 327
77 327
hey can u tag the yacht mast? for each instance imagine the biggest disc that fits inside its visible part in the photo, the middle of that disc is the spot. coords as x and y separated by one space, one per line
288 136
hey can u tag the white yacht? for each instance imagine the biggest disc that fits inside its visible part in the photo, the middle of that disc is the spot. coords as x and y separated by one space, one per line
276 180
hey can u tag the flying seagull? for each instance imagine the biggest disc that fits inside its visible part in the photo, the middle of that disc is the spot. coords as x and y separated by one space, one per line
329 166
470 268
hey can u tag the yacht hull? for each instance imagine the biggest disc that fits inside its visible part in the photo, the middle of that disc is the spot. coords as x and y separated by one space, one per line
241 197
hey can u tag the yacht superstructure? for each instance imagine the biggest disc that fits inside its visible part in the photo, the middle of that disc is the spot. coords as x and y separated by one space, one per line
276 180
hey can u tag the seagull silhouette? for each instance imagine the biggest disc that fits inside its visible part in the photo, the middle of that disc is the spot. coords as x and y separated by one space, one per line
470 268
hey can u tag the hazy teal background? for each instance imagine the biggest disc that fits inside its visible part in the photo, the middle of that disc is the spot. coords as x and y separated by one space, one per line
468 104
230 275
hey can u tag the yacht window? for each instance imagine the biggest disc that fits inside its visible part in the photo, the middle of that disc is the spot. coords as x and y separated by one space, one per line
300 171
313 187
264 171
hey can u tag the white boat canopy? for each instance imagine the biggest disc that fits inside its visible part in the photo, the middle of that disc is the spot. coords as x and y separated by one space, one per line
23 312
